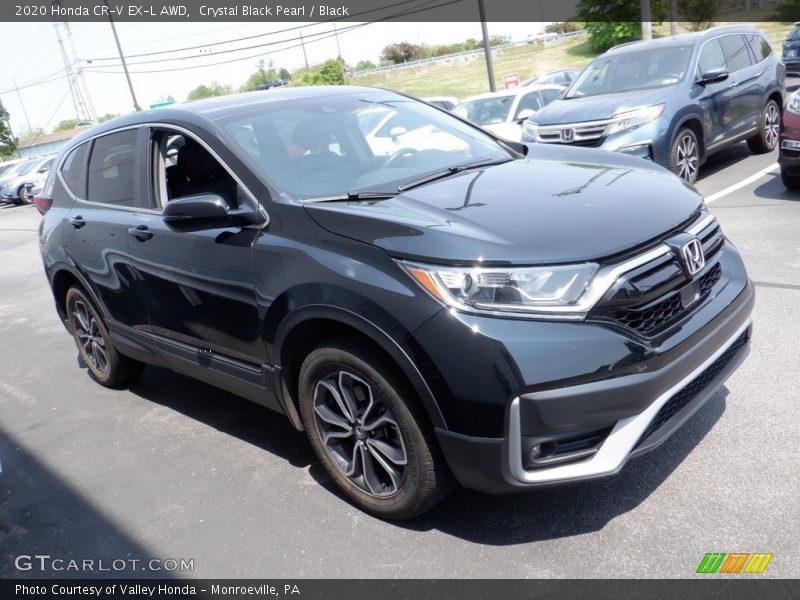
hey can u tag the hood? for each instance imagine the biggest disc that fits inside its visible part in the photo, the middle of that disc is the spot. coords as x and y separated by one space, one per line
559 205
597 108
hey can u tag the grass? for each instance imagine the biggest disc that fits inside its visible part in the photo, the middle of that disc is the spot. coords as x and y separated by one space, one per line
464 77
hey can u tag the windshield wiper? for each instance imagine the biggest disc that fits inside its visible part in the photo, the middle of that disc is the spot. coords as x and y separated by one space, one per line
452 171
352 197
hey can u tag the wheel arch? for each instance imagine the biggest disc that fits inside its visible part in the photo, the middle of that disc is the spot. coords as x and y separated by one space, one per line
64 277
304 328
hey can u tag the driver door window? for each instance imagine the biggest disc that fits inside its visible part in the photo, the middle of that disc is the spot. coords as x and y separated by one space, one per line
531 101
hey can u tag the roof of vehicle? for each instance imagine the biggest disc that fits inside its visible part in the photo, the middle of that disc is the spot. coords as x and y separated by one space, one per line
210 109
681 40
517 91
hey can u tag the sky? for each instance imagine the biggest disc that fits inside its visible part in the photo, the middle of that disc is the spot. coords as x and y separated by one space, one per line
32 54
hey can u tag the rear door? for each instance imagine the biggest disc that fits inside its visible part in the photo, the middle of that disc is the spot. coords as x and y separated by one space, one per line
745 91
96 236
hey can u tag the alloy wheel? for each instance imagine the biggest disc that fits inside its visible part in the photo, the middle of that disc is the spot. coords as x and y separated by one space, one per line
771 125
90 338
360 433
687 157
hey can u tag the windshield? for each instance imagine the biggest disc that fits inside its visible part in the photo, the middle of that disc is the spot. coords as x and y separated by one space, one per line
349 144
486 111
20 168
628 71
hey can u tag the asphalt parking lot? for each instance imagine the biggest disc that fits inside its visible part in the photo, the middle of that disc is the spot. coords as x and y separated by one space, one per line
172 468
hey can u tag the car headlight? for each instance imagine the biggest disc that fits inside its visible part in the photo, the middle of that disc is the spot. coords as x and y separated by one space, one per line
793 104
634 118
551 291
529 129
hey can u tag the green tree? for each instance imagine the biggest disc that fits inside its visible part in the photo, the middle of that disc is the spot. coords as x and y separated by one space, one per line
208 91
66 125
619 21
402 52
284 74
107 117
8 144
328 73
699 14
365 65
263 75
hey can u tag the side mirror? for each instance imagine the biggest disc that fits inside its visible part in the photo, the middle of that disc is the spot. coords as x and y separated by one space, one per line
523 115
713 76
208 208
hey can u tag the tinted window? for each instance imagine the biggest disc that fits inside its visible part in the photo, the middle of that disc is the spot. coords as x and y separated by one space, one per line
736 51
551 95
794 35
711 58
760 46
112 169
73 170
531 101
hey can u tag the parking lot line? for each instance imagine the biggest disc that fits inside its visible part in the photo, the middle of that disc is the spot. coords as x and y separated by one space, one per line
741 184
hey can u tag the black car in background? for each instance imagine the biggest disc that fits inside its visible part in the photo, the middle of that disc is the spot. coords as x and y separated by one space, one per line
673 100
507 318
791 51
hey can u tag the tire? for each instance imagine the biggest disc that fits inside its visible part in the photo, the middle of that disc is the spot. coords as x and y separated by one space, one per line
791 182
766 140
106 366
355 408
684 155
24 195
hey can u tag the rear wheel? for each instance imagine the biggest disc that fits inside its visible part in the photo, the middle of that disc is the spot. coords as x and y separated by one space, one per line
684 155
791 182
363 422
766 140
24 195
106 366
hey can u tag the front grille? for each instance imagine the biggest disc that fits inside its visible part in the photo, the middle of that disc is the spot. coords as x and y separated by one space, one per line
690 392
588 134
652 297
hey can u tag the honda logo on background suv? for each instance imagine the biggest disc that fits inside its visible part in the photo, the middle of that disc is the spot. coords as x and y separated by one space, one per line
693 258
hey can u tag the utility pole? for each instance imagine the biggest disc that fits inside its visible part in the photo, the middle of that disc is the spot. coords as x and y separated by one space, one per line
647 18
22 104
340 60
81 111
673 17
80 77
487 49
136 106
303 45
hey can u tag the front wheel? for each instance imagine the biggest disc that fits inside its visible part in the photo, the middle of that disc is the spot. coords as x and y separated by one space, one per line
684 155
106 366
766 140
365 427
24 195
790 181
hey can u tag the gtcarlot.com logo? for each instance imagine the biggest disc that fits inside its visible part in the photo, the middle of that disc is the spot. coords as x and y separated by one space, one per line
734 562
45 562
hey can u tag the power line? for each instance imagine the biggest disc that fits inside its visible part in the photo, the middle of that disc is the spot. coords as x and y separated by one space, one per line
322 36
241 39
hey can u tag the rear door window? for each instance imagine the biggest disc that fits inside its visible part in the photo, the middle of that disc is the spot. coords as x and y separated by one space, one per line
113 168
736 52
760 47
73 170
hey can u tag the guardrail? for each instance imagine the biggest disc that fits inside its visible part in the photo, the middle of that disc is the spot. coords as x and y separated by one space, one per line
467 53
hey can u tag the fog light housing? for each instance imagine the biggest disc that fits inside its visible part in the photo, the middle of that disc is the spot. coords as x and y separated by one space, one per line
790 145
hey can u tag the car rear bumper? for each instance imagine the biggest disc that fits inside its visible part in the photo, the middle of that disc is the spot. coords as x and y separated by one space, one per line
602 411
789 157
792 66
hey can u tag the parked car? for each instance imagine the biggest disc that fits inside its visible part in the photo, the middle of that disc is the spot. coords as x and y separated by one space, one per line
503 112
541 37
673 100
789 155
10 164
445 102
565 78
12 187
511 319
791 51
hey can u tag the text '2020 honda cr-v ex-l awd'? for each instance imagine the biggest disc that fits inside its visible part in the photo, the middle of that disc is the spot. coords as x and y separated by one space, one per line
500 315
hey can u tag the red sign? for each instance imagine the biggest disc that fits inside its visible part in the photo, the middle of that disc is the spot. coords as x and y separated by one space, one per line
511 81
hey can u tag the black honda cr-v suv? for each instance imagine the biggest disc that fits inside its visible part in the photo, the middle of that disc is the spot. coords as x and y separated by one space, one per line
427 302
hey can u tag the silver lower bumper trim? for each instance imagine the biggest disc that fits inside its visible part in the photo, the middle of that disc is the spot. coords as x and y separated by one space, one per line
618 445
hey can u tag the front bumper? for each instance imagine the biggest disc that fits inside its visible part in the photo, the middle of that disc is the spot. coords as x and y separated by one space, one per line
639 403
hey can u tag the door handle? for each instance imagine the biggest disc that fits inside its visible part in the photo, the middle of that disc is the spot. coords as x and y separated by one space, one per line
77 222
141 233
